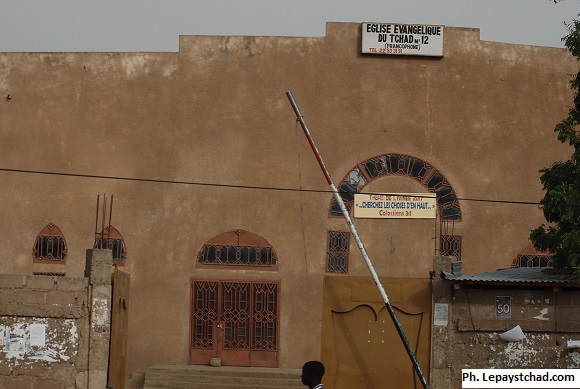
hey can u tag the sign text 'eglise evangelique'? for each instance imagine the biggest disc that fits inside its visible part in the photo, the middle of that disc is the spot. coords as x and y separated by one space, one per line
402 39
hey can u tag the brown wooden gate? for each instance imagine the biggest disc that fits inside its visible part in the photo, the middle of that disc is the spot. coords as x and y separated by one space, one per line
360 344
119 316
236 321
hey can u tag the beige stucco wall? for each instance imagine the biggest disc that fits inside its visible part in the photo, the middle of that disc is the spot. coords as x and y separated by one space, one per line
216 112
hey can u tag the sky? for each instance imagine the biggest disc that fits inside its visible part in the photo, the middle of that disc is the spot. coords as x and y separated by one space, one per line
147 25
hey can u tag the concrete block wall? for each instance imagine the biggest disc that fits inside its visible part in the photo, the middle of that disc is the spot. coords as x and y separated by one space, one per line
470 337
548 318
42 341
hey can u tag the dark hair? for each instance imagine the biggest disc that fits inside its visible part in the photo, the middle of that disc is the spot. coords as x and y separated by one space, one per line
314 369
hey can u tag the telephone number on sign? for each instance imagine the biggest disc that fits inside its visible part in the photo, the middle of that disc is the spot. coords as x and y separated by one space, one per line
385 51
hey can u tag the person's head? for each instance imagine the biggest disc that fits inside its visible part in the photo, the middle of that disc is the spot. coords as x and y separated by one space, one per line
312 373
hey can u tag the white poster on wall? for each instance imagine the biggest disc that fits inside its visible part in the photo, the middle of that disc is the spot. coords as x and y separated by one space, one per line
37 335
402 39
441 314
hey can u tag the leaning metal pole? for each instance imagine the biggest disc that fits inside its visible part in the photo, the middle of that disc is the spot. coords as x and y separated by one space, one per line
359 243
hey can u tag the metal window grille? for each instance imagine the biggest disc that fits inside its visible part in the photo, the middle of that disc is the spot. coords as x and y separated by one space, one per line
50 244
110 238
337 252
450 245
237 248
211 254
400 165
537 260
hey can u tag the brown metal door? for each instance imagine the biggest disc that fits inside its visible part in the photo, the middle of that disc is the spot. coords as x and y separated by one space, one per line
360 344
204 327
119 317
236 321
235 312
265 324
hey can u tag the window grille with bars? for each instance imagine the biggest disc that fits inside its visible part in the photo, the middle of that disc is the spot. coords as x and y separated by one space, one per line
110 238
530 257
238 248
337 252
398 165
50 245
236 255
532 260
450 245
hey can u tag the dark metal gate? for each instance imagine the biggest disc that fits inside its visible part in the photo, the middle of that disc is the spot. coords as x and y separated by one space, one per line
236 321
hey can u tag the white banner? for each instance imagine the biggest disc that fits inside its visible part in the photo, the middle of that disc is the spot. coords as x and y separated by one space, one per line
520 378
402 39
395 206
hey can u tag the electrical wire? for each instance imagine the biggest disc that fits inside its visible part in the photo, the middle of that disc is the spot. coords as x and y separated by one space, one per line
194 183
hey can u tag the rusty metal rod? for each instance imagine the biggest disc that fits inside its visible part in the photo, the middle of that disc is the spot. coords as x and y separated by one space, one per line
361 247
110 216
104 217
97 220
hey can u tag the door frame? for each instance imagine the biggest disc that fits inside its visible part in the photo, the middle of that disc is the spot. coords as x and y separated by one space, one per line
233 357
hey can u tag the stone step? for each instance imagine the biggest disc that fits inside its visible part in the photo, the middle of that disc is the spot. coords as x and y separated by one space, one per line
224 377
194 385
164 381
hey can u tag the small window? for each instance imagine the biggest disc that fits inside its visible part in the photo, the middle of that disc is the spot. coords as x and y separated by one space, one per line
540 260
530 257
238 248
337 252
110 238
50 245
450 246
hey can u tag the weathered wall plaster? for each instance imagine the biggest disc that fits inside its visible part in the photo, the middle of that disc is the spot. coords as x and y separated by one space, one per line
26 341
471 339
44 335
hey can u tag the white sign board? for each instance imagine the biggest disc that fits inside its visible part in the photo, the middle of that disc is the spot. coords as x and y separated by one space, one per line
402 39
395 206
441 314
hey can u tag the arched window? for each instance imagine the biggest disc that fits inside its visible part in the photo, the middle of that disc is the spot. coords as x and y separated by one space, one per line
238 248
530 257
110 238
385 165
398 165
50 245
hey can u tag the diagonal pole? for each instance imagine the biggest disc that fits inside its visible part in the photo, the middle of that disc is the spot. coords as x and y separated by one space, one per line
359 243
